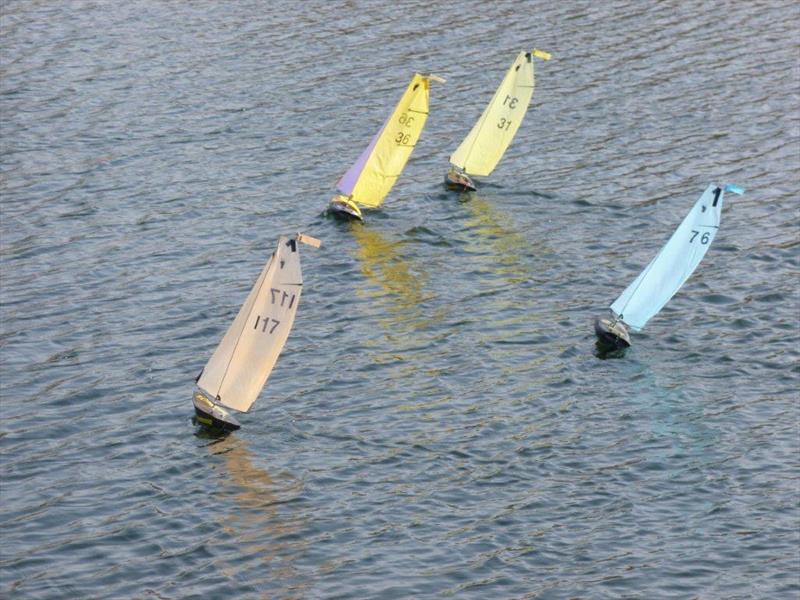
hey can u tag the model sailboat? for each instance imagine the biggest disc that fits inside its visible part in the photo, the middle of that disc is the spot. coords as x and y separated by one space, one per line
485 145
241 364
371 177
667 272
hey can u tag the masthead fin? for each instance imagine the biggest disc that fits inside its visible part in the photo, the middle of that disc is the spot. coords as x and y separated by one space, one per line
542 54
732 187
307 239
433 77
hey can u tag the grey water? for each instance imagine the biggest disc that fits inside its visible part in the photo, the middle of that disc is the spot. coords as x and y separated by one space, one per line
440 423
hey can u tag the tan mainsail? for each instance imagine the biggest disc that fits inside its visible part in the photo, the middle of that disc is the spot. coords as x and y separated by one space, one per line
241 364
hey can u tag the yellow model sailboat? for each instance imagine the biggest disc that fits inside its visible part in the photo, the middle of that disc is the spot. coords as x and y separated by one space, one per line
369 180
489 138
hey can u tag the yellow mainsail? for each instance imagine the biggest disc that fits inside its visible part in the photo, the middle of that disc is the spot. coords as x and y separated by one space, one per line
489 138
371 177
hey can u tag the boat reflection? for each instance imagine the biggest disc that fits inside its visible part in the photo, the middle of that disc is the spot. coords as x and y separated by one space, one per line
398 290
267 535
486 224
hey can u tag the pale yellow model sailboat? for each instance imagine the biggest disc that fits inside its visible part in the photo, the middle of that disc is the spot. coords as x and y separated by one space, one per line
489 138
369 180
239 368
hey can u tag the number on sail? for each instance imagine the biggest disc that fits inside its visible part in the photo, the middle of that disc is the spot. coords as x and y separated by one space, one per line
512 102
265 324
282 295
703 238
504 124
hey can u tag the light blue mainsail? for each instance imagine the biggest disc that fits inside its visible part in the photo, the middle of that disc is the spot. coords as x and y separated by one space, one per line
676 261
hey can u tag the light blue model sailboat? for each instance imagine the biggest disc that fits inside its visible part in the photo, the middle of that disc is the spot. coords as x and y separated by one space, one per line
667 272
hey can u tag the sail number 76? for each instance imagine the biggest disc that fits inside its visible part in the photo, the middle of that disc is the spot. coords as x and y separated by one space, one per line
703 238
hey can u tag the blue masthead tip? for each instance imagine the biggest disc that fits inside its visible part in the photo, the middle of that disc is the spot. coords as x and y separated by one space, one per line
732 187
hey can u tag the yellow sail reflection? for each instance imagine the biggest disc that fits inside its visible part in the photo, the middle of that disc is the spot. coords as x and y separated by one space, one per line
382 263
495 228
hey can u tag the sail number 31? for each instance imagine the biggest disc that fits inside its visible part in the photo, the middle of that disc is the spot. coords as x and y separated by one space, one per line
511 102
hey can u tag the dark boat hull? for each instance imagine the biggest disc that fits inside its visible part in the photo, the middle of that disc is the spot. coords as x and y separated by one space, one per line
612 335
212 415
459 182
344 208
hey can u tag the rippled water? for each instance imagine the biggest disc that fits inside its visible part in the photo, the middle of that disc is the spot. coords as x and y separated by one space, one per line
439 424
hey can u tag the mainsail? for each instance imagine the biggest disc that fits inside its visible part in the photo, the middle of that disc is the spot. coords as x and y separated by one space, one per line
241 364
489 138
374 173
676 261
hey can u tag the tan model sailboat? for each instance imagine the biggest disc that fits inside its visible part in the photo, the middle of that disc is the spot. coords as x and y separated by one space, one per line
239 367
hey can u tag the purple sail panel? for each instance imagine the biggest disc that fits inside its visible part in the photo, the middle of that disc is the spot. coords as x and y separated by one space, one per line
349 179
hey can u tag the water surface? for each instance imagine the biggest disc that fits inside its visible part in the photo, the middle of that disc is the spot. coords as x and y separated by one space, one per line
439 424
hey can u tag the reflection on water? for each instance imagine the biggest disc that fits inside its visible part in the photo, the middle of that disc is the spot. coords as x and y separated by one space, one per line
495 228
382 262
268 536
398 296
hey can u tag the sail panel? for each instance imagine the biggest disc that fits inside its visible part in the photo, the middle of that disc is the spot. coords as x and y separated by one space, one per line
391 148
673 265
491 135
244 359
349 179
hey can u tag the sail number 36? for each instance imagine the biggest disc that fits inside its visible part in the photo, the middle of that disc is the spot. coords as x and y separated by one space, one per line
703 238
403 138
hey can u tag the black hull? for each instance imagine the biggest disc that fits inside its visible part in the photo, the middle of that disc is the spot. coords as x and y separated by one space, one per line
612 335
